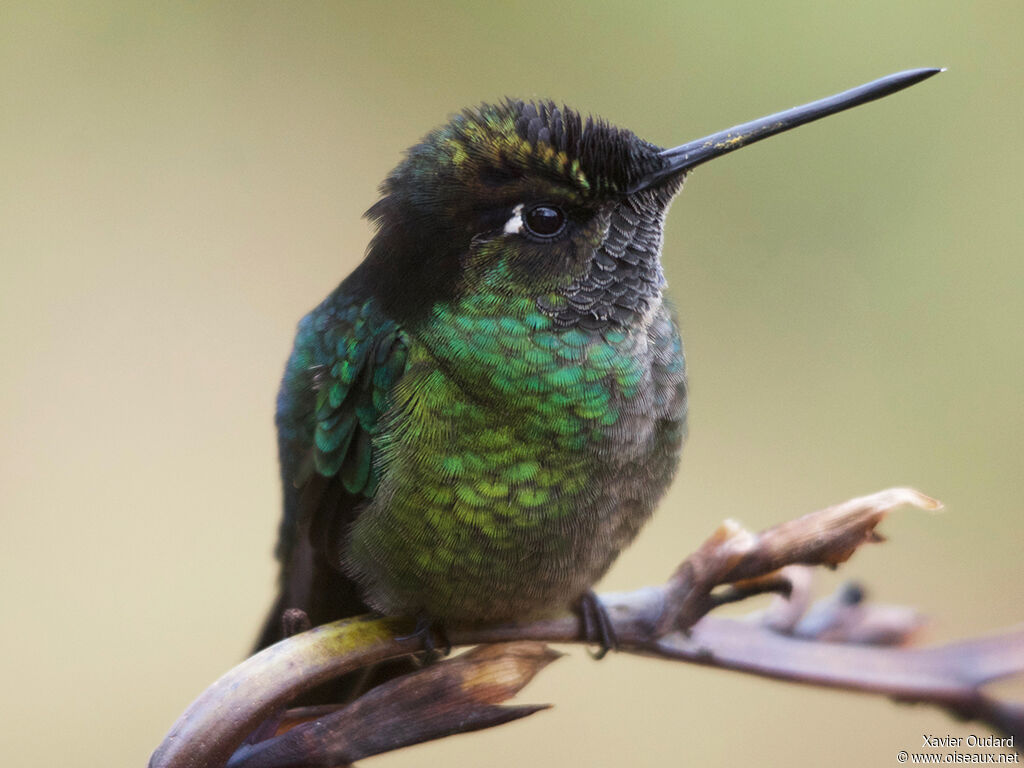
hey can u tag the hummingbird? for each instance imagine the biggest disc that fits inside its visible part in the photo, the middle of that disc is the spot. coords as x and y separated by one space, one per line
486 411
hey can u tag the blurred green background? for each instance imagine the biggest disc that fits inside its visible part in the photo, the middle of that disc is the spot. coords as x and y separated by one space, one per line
181 182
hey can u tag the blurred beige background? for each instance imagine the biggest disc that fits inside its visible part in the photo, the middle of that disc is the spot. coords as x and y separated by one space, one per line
180 184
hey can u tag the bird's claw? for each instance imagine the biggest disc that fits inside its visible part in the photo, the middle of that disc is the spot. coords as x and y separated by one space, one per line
597 625
424 632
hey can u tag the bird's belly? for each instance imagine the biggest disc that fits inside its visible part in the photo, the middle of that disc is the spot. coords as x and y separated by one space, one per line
489 513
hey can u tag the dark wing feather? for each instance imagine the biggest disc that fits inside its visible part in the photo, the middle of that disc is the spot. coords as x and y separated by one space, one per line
338 384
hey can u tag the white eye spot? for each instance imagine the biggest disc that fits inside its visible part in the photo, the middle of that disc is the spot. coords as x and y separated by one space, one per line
515 225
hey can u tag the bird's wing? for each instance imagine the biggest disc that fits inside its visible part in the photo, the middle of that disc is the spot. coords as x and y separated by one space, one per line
338 384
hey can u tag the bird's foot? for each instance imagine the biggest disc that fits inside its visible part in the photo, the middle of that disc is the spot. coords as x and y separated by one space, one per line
425 632
597 625
294 621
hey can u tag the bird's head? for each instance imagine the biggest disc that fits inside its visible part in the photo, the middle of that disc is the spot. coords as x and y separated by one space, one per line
527 200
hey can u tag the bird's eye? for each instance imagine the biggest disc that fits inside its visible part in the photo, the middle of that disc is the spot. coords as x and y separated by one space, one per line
544 221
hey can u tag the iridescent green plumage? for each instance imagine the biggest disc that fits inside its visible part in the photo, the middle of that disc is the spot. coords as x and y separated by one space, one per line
477 420
511 456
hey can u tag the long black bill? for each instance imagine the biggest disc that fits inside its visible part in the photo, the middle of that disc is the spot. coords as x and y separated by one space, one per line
687 156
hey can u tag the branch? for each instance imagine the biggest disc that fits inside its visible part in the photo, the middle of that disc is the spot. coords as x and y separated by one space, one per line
667 621
454 696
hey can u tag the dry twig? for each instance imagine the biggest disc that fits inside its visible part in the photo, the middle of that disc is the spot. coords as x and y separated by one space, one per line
454 696
837 643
